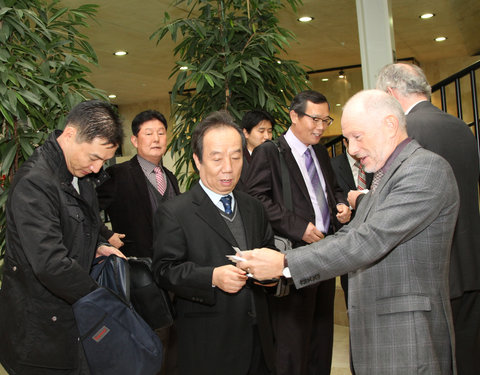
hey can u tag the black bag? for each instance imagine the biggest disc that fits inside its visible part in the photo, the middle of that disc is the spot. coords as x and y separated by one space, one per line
149 300
116 340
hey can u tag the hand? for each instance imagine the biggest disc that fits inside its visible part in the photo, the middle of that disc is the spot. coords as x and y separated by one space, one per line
104 250
229 278
263 263
352 197
344 213
116 241
312 234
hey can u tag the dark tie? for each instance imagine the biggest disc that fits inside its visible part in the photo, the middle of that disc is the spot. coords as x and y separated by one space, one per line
317 187
377 176
161 183
362 178
227 204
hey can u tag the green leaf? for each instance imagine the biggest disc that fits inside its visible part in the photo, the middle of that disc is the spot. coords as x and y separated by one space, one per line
7 160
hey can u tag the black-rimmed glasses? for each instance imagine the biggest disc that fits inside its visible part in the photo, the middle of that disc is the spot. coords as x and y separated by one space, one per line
325 121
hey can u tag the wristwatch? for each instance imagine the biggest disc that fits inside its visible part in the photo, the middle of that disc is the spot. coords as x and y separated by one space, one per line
286 270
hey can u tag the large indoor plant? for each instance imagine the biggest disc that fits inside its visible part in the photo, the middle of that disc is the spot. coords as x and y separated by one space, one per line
43 65
231 49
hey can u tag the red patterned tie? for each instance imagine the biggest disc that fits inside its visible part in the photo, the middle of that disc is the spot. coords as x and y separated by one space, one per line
362 178
161 183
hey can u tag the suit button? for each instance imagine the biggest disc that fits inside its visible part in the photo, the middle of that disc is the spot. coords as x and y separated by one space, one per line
54 318
14 268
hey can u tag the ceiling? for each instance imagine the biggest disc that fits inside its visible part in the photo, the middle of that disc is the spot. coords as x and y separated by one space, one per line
330 40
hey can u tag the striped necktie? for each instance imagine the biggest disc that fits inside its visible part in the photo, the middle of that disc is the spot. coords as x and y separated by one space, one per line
317 187
160 178
362 178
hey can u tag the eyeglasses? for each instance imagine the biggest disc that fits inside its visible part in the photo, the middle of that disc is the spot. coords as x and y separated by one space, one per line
325 121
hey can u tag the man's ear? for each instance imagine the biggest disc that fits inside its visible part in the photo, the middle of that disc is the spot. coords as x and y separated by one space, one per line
197 161
70 132
134 141
245 133
392 124
293 117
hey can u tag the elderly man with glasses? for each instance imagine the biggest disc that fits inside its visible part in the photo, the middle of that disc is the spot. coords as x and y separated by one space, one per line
303 320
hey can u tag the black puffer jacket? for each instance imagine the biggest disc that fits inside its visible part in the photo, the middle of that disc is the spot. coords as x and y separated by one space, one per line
52 236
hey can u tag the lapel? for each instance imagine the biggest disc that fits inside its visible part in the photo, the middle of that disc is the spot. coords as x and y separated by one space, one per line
346 172
208 212
296 177
248 215
367 204
139 181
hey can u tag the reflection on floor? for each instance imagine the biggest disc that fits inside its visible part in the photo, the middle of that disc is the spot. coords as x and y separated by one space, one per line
341 358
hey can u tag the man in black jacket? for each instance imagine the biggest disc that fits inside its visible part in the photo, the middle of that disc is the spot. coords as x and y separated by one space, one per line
52 237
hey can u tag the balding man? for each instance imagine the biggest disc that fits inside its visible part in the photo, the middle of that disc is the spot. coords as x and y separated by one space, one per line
396 249
449 137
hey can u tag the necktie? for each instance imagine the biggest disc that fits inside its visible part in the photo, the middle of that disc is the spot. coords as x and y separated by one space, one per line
160 178
317 187
377 176
362 178
227 204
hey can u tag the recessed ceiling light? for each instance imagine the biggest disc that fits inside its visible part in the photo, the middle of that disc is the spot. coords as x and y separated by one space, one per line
338 105
440 39
120 53
426 16
184 68
324 79
112 96
305 19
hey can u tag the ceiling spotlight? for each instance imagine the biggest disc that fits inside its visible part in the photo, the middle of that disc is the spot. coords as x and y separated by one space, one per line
341 74
112 96
338 105
440 39
184 68
426 16
324 79
305 19
120 53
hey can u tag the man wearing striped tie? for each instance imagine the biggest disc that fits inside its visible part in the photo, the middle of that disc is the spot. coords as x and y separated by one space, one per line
303 320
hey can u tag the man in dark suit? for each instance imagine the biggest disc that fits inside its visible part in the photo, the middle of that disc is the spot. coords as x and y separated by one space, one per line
350 176
303 320
450 138
132 194
222 315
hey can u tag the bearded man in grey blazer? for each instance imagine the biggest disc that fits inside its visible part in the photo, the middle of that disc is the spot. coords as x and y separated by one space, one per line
396 249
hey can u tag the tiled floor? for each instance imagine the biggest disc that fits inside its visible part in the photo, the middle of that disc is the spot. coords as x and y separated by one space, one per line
340 360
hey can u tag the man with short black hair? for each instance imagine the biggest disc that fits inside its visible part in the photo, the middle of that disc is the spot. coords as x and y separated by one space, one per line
303 320
52 238
222 316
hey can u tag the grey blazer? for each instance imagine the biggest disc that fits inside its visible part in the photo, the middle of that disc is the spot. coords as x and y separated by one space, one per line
397 251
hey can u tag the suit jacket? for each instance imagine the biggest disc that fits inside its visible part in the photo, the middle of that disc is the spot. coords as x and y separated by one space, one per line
397 251
126 200
264 182
451 138
343 172
214 328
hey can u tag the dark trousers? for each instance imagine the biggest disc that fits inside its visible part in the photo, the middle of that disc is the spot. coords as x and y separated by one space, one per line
168 336
466 322
303 330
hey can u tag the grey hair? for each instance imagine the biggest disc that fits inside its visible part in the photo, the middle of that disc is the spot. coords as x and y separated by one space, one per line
406 78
